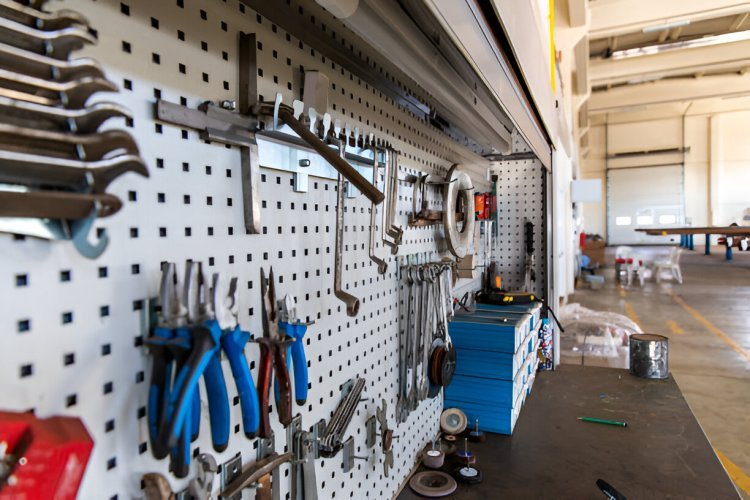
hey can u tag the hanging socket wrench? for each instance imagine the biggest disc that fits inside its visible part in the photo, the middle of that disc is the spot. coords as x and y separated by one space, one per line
382 265
352 302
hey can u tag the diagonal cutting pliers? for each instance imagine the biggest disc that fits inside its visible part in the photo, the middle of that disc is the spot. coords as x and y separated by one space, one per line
272 358
233 342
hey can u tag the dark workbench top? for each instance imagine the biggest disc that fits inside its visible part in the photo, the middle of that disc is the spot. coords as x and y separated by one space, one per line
662 453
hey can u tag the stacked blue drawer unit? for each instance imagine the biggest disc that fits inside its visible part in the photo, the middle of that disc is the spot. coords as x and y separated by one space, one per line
496 363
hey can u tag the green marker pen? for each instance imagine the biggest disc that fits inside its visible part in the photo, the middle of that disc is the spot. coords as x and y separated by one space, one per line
602 421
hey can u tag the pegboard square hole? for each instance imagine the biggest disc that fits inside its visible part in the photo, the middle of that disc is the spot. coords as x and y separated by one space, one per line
108 388
71 400
181 35
106 349
139 377
65 275
135 269
159 163
224 55
24 325
182 68
27 370
155 58
161 197
137 305
142 448
162 232
125 8
186 199
22 280
126 47
204 15
111 463
154 23
132 196
104 311
204 46
127 84
67 317
109 426
133 232
188 232
69 359
103 272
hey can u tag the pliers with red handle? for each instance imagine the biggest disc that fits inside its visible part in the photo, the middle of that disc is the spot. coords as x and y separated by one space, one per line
273 348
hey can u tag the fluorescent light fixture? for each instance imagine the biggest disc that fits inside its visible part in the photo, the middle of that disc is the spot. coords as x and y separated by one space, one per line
706 41
666 26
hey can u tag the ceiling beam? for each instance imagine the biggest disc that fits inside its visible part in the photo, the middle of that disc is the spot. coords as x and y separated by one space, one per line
667 91
577 13
739 21
618 17
725 57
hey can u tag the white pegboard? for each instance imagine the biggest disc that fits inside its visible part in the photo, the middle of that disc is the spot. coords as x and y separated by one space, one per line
74 328
521 197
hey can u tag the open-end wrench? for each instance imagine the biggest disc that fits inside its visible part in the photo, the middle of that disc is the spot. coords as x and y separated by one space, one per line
56 204
71 94
352 302
48 68
402 405
414 341
90 147
382 265
38 116
34 18
46 171
57 43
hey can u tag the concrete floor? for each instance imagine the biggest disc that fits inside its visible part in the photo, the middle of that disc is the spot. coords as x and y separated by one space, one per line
707 320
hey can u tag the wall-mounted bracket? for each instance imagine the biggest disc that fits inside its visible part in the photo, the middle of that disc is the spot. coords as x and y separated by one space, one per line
230 470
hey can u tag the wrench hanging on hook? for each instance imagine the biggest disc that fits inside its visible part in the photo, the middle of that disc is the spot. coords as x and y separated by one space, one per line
352 302
382 265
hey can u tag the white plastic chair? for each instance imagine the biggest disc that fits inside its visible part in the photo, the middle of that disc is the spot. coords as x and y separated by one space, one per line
672 264
635 267
622 259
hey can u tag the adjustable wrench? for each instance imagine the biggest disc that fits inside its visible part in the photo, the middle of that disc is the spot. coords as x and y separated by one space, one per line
352 302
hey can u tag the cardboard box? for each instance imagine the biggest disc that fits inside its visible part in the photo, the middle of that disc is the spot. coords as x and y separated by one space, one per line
594 250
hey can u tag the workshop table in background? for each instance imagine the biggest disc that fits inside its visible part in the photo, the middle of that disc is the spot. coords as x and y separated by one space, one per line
663 451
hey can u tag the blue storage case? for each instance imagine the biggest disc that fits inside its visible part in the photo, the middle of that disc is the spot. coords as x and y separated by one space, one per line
494 364
535 309
488 332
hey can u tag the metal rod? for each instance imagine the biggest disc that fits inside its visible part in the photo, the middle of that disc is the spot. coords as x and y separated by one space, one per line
336 161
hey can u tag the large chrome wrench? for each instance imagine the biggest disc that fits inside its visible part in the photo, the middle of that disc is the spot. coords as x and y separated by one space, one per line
40 66
394 231
415 336
89 147
84 121
71 94
402 404
382 265
58 44
34 18
352 302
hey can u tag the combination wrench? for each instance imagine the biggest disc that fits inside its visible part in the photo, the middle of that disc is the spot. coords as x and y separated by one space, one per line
352 302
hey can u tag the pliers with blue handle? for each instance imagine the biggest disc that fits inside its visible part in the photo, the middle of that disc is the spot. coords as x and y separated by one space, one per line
169 327
203 361
294 329
233 342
